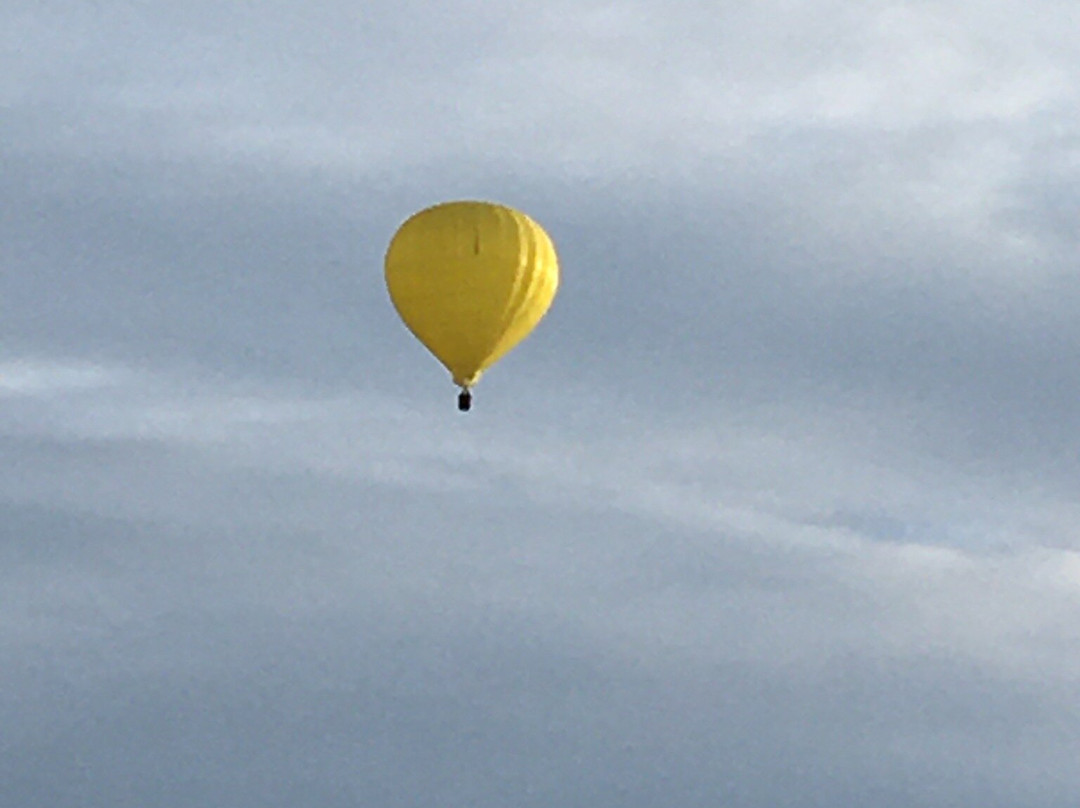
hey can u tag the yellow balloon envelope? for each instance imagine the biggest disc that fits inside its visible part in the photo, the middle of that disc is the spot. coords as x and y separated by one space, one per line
471 280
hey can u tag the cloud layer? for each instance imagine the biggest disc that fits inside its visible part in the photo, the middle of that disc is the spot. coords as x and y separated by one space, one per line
777 508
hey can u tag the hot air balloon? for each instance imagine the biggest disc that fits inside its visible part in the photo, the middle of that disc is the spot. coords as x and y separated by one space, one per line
470 280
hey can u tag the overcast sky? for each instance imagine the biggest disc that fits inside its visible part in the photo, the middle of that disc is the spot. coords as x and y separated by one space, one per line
777 507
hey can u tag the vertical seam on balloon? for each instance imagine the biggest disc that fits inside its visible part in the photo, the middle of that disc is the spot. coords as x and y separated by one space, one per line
523 277
536 274
495 338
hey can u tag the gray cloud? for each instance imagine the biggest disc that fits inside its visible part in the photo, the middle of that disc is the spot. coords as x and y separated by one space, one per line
777 508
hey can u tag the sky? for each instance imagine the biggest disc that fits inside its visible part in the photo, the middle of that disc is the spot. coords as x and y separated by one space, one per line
776 508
